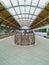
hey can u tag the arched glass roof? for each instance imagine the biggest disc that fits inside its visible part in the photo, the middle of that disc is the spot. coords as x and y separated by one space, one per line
24 11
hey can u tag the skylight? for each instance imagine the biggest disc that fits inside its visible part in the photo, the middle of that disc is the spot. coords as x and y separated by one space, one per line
24 11
24 27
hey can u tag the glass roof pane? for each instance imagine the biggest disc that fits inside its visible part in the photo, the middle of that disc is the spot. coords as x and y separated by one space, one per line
38 10
6 3
11 10
25 19
17 10
14 2
35 2
28 2
30 16
21 2
32 10
27 9
24 27
42 3
34 17
19 16
23 15
26 15
22 9
31 20
22 19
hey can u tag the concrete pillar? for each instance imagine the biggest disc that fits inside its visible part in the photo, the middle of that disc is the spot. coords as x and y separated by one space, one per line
15 38
47 29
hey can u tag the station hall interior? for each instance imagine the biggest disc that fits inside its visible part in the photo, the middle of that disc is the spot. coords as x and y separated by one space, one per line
24 32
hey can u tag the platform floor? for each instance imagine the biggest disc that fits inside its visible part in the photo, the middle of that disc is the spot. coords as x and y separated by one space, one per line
19 55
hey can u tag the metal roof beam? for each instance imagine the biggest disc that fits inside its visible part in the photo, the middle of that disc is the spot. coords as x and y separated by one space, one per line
41 21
